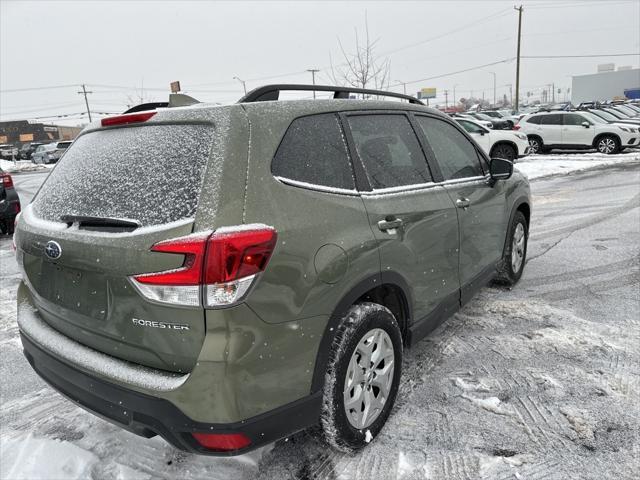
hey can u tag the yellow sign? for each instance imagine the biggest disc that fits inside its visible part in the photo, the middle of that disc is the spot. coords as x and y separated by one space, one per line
3 139
428 92
26 137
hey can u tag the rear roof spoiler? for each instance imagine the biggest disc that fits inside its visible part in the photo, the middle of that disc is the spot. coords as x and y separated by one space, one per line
272 92
175 100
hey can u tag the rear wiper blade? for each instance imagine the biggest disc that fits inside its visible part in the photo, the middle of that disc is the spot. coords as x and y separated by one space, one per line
101 223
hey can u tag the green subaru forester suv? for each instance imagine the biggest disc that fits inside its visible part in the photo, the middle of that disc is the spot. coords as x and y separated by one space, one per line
224 276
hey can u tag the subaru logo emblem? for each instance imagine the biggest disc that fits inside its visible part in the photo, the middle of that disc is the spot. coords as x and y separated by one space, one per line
53 250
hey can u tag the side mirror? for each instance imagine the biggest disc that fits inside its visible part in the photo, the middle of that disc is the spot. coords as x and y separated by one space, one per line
586 124
500 169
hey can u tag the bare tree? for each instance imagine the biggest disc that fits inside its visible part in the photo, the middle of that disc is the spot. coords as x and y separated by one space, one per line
362 68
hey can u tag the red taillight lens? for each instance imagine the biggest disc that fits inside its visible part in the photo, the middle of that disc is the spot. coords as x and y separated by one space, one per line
222 442
128 118
516 127
7 181
193 247
224 262
17 207
239 254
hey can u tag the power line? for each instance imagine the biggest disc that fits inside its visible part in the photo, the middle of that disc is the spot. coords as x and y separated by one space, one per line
584 56
30 89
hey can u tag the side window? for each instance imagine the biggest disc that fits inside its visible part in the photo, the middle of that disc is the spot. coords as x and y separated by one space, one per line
314 151
553 119
389 150
574 119
470 127
535 119
455 154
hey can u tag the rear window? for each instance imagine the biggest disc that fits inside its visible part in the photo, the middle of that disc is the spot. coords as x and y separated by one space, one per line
63 145
151 174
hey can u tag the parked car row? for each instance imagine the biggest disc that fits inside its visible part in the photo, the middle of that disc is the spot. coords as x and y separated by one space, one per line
37 152
50 153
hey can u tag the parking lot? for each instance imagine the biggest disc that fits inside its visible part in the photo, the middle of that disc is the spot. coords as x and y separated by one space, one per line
540 382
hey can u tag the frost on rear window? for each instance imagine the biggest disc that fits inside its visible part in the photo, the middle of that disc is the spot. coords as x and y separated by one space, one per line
152 174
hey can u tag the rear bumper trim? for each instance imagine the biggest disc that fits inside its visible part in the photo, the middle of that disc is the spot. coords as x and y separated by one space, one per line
148 416
32 326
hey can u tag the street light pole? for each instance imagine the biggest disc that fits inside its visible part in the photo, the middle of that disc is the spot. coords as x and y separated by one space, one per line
244 84
517 106
494 87
404 86
313 78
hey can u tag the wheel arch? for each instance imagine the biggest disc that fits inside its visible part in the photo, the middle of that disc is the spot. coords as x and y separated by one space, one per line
520 205
607 134
386 288
504 142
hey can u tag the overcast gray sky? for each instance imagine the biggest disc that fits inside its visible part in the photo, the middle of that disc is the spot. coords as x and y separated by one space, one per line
117 47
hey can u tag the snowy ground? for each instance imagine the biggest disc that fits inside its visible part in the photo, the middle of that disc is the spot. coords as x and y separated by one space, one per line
23 166
539 166
540 382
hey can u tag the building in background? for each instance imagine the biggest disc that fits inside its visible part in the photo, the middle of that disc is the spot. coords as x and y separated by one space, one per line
19 132
606 84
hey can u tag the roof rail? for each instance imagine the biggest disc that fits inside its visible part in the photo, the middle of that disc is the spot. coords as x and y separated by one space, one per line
175 100
272 92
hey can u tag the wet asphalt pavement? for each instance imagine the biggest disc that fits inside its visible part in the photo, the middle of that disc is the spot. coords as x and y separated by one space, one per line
539 382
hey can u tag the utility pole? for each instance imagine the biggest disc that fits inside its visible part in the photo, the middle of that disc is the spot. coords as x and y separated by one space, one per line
517 106
446 99
510 94
404 86
86 102
494 87
553 92
244 84
313 78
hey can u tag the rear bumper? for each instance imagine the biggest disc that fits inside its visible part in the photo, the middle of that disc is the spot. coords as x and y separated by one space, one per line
148 416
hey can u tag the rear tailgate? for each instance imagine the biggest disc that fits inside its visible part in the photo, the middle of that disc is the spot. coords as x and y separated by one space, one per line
78 270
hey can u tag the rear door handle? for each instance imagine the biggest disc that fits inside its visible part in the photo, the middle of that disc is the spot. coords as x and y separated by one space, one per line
463 203
390 225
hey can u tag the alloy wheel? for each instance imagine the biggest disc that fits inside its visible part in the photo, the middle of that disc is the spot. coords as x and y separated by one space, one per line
369 377
534 145
606 145
517 248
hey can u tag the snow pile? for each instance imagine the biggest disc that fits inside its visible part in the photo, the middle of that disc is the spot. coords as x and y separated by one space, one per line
23 166
538 166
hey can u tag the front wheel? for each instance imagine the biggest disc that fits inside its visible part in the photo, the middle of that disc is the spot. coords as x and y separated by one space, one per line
515 254
502 150
608 145
362 377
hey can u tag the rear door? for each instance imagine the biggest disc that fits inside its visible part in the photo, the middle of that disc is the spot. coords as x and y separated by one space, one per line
117 192
412 218
480 206
574 132
551 128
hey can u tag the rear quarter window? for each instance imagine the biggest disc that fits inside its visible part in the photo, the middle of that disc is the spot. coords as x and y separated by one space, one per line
151 174
313 151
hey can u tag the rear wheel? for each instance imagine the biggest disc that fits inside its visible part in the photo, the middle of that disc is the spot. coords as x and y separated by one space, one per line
362 376
503 150
536 145
608 144
515 253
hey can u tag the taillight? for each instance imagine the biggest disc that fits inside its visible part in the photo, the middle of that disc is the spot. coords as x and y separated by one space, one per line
16 207
516 127
128 118
7 181
222 442
218 268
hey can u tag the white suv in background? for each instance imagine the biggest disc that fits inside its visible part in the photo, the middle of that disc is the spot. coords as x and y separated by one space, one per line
496 143
575 130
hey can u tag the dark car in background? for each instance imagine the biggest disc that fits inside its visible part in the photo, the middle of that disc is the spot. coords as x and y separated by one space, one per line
9 203
497 123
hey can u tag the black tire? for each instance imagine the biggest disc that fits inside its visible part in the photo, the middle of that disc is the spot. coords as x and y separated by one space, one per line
359 320
536 145
504 150
608 144
507 274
